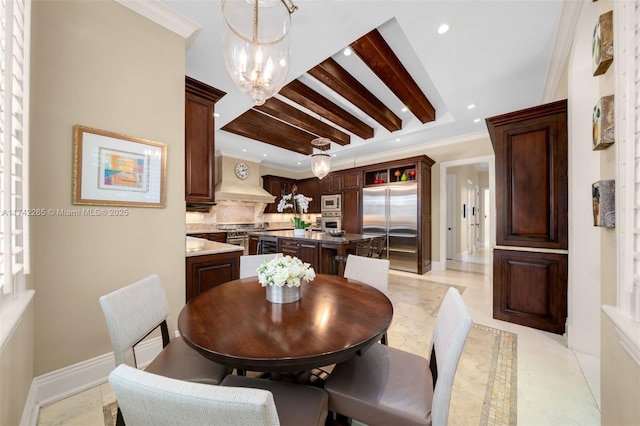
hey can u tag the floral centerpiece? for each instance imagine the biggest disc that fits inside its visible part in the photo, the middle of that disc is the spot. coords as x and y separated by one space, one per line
283 276
298 203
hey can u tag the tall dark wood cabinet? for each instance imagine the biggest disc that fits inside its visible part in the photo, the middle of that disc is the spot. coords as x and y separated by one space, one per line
199 130
530 257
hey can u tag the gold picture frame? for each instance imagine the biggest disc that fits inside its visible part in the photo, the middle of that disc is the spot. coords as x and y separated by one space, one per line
110 169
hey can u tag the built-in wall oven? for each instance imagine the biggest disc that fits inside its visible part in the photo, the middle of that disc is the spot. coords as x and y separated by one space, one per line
331 220
331 212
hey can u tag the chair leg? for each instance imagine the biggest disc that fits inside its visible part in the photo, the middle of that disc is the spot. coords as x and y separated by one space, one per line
119 418
384 339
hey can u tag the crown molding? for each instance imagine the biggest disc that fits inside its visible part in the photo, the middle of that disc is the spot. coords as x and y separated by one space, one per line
562 47
164 16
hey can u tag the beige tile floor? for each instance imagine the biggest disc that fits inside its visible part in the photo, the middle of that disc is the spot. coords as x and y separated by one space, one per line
555 385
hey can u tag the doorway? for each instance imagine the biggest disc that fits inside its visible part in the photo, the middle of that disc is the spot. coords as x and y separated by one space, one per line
483 234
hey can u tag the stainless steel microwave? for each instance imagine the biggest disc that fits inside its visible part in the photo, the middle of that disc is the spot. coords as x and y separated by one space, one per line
331 203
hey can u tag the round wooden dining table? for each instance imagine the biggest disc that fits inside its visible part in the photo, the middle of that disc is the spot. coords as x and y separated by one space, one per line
235 325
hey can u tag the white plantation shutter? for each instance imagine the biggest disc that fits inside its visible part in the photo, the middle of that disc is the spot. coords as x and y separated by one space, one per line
14 17
632 289
627 112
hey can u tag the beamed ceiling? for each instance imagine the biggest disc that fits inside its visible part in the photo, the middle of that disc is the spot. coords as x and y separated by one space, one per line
405 90
290 126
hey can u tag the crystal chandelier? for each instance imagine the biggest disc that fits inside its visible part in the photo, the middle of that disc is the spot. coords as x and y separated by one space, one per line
321 161
256 45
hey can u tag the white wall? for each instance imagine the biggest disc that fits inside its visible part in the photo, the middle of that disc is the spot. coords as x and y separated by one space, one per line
583 328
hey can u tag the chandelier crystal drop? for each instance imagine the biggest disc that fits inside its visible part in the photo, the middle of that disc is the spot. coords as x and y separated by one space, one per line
256 45
321 161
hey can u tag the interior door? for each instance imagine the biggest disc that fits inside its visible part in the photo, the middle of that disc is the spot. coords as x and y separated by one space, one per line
451 216
470 220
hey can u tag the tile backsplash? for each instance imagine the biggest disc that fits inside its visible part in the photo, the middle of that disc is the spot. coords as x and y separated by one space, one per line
242 213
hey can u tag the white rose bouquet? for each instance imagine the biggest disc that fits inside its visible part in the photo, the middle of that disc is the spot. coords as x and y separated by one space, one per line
285 270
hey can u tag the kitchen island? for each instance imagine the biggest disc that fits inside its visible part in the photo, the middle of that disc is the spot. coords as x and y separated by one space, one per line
326 254
210 263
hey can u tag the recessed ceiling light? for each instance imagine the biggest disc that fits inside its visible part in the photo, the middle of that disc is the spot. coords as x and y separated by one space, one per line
334 155
405 109
215 114
443 28
264 155
299 163
398 140
244 149
347 51
471 106
477 120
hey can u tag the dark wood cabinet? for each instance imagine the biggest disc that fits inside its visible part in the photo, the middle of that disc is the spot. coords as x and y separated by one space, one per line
276 186
200 102
352 180
531 176
311 188
532 288
531 151
307 251
254 241
207 271
352 211
332 183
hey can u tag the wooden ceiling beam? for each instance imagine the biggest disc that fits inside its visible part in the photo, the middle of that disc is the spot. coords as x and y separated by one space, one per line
261 127
377 54
339 80
314 101
287 113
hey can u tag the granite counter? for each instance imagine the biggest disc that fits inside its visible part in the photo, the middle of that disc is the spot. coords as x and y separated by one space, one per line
199 247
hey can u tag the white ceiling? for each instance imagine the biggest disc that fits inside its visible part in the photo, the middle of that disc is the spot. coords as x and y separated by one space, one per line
496 55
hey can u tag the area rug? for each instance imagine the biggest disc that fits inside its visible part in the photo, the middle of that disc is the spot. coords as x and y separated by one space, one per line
485 387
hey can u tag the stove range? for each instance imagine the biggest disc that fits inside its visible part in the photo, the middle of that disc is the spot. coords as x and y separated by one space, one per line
238 234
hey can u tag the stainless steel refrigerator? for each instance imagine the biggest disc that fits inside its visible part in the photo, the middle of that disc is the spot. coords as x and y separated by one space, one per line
392 211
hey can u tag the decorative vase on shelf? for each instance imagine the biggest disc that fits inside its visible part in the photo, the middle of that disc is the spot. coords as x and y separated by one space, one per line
298 232
403 177
282 294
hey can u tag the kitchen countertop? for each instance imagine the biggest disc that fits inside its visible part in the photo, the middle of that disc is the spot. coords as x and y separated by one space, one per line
316 236
199 247
204 231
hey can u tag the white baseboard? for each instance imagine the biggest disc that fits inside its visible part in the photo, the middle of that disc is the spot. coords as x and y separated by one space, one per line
59 384
437 266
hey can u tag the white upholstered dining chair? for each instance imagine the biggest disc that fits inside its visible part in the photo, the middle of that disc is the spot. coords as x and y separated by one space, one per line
368 270
388 386
250 263
149 399
136 310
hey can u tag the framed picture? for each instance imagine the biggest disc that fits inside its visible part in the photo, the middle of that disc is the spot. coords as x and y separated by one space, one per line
602 44
110 169
603 124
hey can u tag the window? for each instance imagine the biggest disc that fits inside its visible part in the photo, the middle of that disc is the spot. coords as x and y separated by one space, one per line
14 154
626 315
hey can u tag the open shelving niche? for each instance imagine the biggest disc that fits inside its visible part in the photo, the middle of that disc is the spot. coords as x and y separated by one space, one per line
391 175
